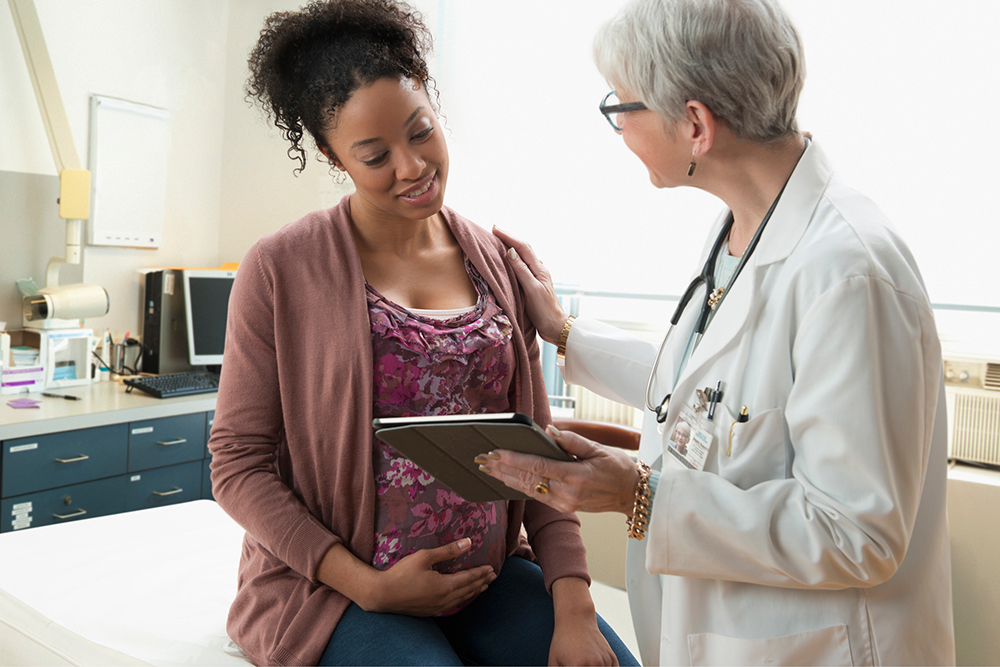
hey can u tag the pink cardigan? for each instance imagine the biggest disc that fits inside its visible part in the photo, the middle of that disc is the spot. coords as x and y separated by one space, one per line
291 442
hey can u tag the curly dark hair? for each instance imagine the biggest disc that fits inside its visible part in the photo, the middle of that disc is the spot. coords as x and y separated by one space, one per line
308 63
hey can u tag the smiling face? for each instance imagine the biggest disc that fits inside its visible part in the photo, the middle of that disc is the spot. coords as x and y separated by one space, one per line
682 434
388 138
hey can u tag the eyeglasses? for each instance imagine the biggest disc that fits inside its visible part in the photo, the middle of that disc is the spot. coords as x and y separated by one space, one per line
610 106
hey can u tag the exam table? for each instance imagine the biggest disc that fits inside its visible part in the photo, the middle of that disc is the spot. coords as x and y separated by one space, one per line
146 587
152 586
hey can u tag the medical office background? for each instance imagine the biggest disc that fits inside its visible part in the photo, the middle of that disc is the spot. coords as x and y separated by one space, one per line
902 96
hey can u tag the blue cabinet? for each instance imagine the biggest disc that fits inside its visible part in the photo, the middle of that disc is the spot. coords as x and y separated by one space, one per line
164 486
209 420
206 479
67 503
73 475
206 475
58 459
165 441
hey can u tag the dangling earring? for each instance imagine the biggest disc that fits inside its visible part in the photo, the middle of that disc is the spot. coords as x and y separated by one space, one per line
691 167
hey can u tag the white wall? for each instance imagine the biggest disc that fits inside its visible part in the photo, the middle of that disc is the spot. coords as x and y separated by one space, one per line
166 53
259 191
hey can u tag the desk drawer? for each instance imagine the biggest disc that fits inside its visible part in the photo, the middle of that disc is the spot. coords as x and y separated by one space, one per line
57 459
68 503
161 442
164 486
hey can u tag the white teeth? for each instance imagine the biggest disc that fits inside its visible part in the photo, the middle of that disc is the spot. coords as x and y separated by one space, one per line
414 195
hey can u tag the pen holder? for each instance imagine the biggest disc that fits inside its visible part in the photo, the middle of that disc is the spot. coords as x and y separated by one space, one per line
117 359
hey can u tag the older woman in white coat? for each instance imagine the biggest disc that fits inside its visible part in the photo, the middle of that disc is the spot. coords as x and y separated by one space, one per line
804 521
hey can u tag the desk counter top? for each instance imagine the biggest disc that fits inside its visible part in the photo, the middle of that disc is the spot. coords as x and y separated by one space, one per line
101 403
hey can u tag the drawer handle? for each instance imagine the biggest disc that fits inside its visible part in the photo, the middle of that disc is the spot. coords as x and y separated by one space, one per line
79 512
81 457
171 492
178 441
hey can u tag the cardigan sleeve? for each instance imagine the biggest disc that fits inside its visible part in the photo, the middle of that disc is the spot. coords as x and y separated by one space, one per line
554 536
248 431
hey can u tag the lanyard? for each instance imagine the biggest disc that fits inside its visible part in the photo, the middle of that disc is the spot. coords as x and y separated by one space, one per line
713 295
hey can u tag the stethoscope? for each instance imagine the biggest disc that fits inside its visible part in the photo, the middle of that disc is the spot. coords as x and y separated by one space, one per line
713 297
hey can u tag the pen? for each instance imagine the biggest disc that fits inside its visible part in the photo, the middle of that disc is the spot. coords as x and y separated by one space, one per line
66 396
716 396
743 418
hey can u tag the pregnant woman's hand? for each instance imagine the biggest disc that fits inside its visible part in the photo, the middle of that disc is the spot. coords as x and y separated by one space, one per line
414 588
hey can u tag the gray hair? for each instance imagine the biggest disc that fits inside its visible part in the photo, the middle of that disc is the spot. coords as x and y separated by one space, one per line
741 58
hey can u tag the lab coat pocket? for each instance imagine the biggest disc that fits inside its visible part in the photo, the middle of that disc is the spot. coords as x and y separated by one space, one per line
828 646
753 451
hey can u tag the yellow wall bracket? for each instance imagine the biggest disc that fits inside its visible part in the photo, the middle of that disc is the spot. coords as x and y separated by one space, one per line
74 194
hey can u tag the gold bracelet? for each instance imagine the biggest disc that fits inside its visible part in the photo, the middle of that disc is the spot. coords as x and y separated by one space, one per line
564 336
640 510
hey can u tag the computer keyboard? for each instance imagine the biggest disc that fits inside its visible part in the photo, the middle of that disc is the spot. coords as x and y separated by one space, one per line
175 384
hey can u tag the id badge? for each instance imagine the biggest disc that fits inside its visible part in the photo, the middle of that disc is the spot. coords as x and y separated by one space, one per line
691 437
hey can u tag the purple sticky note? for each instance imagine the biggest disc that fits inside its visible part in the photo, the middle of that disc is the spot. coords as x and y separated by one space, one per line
23 403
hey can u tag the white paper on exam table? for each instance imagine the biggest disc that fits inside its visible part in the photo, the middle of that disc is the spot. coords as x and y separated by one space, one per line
154 584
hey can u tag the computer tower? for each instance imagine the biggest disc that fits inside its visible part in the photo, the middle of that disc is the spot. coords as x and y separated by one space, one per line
164 334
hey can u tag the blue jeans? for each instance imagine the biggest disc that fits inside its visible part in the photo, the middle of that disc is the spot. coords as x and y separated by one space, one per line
511 623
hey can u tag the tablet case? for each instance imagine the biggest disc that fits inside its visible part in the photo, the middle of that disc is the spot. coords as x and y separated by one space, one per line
446 449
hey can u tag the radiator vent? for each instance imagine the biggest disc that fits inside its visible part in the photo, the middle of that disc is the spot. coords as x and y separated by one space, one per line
975 427
597 408
992 379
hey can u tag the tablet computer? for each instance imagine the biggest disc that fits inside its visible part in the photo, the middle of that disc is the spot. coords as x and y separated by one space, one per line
445 446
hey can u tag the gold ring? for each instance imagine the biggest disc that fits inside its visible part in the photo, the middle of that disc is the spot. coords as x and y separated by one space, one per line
543 486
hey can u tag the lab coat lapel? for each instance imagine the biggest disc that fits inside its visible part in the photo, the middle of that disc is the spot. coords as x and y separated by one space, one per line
678 333
725 326
783 231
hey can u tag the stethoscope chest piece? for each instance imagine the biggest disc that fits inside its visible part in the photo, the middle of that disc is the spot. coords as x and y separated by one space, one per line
662 409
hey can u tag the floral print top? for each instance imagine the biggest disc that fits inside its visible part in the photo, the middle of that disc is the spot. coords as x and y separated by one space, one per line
430 366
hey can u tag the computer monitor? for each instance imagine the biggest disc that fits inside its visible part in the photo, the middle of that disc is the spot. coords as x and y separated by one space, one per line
206 305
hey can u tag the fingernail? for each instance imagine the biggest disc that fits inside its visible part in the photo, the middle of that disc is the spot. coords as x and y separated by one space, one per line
511 254
481 460
494 456
485 470
553 431
465 543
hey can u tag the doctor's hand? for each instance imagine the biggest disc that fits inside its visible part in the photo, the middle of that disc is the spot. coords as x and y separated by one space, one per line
602 479
543 305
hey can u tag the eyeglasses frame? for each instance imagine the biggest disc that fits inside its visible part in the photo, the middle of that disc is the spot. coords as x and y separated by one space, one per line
619 108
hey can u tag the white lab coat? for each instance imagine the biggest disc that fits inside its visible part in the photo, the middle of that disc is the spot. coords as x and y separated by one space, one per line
822 538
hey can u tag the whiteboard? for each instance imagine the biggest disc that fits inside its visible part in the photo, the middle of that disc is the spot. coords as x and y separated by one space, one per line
129 143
